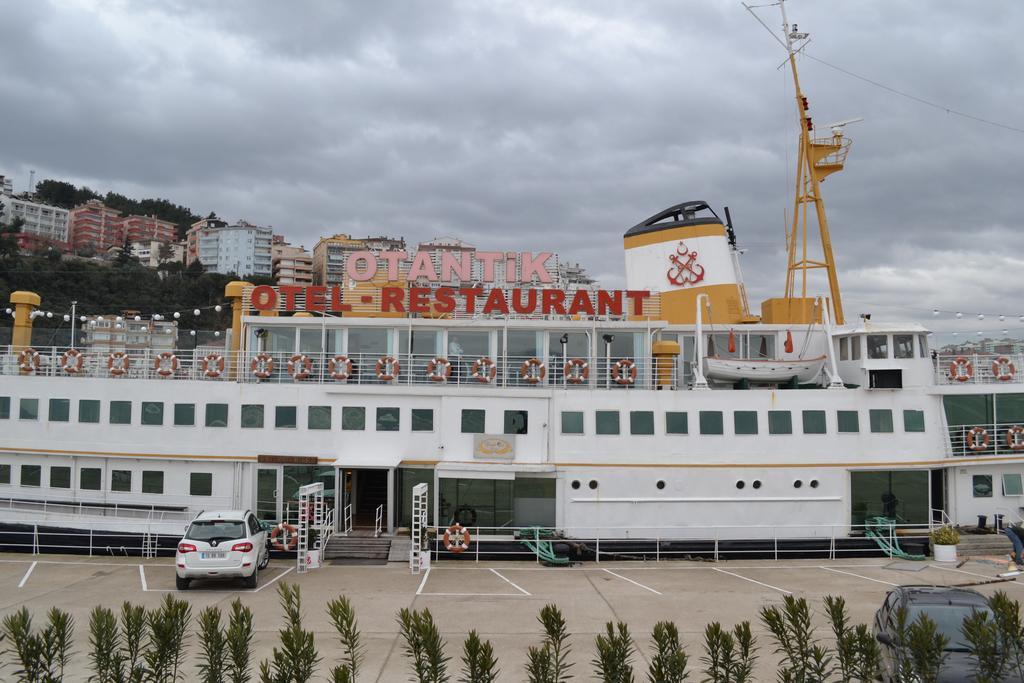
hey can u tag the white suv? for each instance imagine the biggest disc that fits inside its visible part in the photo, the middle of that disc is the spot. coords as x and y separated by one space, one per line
222 544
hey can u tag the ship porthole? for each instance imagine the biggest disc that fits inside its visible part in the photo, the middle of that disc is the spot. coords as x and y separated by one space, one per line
814 483
660 484
797 484
575 483
740 484
593 483
757 483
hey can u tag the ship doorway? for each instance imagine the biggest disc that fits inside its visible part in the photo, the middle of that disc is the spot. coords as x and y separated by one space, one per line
367 490
277 489
938 491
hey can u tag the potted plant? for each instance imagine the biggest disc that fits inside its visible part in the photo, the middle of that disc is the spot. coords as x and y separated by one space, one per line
944 542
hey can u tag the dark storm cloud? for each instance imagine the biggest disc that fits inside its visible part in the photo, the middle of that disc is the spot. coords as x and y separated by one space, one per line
540 125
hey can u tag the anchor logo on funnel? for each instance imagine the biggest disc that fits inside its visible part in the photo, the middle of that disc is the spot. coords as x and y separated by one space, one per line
684 270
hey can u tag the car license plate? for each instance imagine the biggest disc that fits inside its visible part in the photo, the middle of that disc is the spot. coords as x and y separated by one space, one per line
212 556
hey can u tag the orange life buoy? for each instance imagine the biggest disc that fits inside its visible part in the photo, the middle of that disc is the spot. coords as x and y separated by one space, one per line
439 369
290 540
452 540
300 366
576 371
624 371
977 438
484 370
533 371
72 361
961 369
165 364
339 367
262 365
118 363
1003 369
28 360
213 365
388 368
1015 438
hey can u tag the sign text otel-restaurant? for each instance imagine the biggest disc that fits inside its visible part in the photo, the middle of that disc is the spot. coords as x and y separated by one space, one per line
520 267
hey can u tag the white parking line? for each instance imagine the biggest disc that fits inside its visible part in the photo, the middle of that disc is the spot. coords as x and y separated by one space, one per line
964 571
423 582
766 585
866 578
496 573
635 583
292 568
142 577
27 574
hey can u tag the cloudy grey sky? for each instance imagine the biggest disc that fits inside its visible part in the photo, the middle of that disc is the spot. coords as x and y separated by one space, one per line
545 125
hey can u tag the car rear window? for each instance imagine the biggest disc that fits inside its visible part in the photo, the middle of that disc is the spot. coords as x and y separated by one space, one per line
949 619
219 529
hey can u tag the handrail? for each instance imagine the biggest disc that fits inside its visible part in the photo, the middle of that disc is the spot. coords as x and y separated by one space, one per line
347 520
378 524
986 438
981 369
944 519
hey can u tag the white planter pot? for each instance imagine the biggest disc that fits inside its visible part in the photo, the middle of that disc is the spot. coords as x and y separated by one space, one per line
944 553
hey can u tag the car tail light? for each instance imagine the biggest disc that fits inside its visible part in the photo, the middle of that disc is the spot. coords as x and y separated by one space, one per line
186 548
242 548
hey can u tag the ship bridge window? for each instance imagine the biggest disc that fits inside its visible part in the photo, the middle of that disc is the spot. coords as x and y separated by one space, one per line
922 343
120 412
780 422
353 418
388 419
607 421
252 416
184 414
878 346
711 422
913 420
641 422
814 421
216 414
516 421
745 421
676 423
318 417
1012 485
572 422
848 421
285 417
152 413
844 348
28 409
903 345
473 421
5 407
855 344
5 474
881 421
60 410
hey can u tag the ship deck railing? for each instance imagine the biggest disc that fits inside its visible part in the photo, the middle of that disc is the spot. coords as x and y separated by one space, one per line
984 368
211 365
986 439
115 511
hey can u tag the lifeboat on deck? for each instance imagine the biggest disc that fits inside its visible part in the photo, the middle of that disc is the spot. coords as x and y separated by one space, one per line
763 371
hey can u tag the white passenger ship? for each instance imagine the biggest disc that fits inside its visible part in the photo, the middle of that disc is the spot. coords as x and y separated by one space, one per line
667 410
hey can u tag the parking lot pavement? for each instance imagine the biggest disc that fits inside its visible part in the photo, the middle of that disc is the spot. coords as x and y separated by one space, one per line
500 600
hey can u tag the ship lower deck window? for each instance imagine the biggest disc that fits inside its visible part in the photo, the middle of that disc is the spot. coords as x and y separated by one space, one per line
848 421
31 475
607 422
152 413
745 421
881 421
200 484
28 409
711 422
184 414
216 414
285 417
1012 485
90 478
5 407
516 421
814 421
252 416
60 477
152 481
676 423
318 417
353 418
388 419
780 422
896 494
473 421
572 422
641 422
981 485
121 480
120 412
5 474
60 410
422 419
913 420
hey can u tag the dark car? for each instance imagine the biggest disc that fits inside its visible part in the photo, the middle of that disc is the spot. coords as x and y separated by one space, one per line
947 607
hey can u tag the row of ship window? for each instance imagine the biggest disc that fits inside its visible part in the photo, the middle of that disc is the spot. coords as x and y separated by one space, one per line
473 421
91 479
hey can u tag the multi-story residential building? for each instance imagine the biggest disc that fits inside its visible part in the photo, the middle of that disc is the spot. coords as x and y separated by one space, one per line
241 248
128 332
95 227
291 265
204 227
331 254
6 185
44 225
148 252
148 228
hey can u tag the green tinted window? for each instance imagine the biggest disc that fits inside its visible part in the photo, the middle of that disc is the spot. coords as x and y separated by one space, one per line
216 414
285 417
252 416
607 421
152 481
28 409
120 412
780 422
572 422
90 478
200 484
121 480
913 420
745 421
881 420
422 419
969 410
814 421
676 423
1012 485
848 421
88 410
388 419
152 413
641 422
515 422
60 477
711 422
982 485
184 414
60 410
5 474
319 417
353 418
5 407
473 421
31 475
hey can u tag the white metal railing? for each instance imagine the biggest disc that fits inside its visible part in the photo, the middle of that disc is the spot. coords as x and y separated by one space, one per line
327 530
1000 438
399 369
378 522
93 538
347 520
106 510
979 368
937 520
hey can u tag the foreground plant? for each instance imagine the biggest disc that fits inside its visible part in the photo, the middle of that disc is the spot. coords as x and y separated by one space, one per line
791 627
105 646
858 655
729 656
212 646
479 664
168 631
990 654
927 647
297 659
668 665
423 645
343 616
41 656
1007 617
238 643
614 654
134 635
550 662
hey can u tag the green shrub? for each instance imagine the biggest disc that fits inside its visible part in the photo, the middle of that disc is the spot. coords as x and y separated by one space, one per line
945 535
